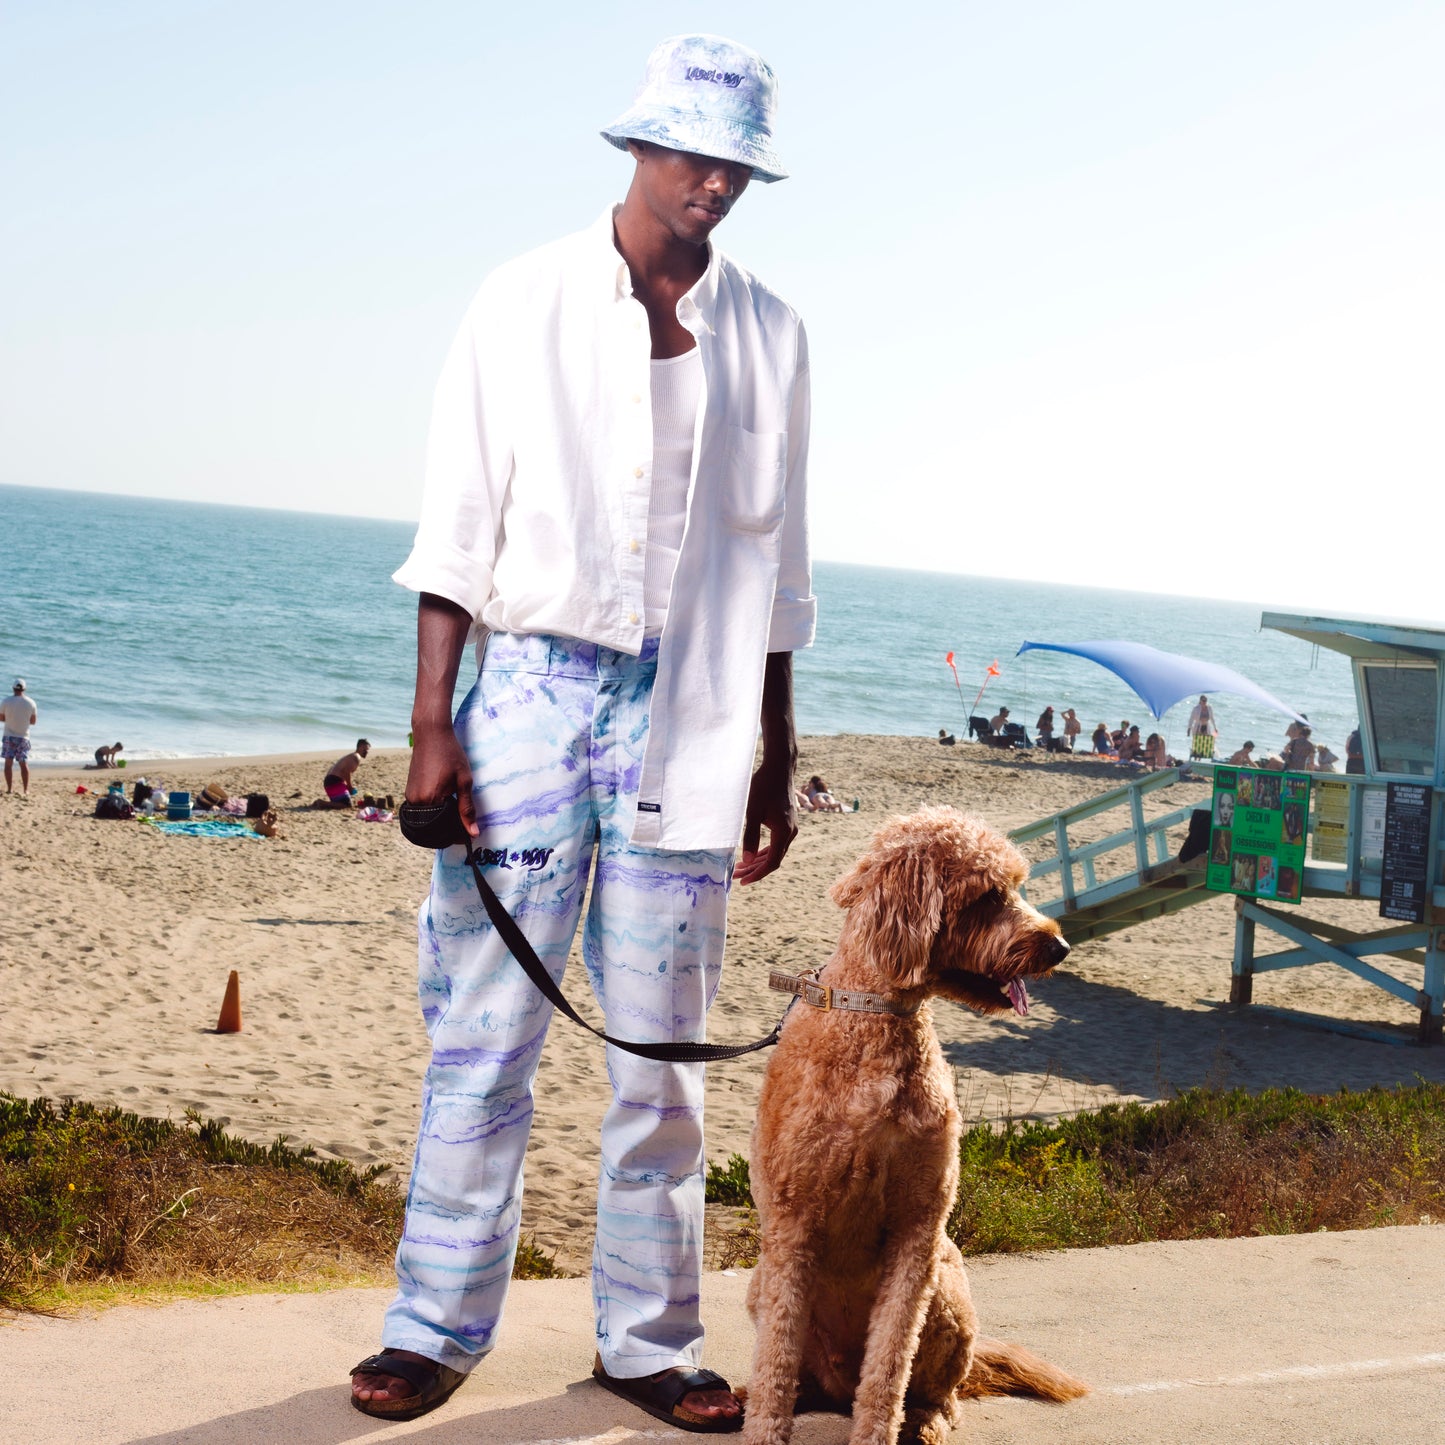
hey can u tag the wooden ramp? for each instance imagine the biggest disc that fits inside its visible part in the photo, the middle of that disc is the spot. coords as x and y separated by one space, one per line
1129 875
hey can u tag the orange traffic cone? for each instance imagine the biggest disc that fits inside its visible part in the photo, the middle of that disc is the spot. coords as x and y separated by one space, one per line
230 1020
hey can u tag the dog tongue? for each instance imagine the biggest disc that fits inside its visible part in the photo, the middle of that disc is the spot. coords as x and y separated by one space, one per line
1018 995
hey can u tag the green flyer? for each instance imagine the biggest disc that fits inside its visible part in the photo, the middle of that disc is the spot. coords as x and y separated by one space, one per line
1257 833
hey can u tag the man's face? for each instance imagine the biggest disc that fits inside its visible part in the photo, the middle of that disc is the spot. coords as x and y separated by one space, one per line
688 194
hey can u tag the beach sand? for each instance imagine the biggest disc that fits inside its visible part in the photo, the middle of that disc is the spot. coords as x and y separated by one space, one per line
119 940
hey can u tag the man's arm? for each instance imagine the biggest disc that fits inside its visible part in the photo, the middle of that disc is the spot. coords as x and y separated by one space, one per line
770 796
439 766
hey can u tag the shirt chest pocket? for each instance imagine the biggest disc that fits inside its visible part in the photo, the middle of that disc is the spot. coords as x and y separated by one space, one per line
753 474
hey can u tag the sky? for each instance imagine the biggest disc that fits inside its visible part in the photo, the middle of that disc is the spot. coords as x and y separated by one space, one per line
1146 295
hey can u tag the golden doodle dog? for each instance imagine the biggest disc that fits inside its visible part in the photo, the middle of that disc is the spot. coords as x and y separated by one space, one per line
860 1299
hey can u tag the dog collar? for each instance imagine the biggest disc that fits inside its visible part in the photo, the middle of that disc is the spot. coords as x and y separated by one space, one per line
805 986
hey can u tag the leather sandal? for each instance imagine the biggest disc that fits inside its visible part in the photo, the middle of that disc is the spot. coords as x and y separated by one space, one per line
661 1396
434 1384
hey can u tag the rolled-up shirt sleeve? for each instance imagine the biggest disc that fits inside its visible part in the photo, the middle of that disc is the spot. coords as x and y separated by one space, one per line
795 609
468 467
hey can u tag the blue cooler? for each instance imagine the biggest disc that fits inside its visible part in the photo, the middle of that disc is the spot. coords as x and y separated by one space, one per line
178 808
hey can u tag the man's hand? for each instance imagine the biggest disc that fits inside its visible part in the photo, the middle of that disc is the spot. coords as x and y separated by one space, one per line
439 766
770 795
770 806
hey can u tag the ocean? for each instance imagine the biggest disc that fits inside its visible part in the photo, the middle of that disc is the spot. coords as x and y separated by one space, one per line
187 629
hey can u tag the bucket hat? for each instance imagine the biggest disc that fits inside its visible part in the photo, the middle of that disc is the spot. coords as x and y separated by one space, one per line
707 96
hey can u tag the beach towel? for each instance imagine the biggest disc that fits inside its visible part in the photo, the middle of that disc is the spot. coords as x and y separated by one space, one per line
205 828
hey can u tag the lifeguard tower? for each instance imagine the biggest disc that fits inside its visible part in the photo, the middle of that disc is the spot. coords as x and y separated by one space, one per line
1374 835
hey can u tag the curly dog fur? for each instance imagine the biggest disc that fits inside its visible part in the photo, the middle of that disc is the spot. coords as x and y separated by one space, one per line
860 1299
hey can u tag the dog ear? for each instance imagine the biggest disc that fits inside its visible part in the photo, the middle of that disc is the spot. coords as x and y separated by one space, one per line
895 907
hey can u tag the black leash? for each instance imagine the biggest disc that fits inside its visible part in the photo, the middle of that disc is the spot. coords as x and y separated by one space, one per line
439 825
526 955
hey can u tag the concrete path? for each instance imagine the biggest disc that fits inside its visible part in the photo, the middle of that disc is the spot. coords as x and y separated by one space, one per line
1323 1339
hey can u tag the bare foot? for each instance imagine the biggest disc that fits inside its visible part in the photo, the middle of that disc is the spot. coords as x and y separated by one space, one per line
712 1404
387 1387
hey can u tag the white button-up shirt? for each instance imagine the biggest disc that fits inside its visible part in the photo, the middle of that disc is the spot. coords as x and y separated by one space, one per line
538 479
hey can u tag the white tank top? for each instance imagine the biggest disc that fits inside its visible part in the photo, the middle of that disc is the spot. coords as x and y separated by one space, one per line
676 390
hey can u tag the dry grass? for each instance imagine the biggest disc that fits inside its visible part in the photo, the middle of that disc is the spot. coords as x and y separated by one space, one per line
1210 1164
100 1199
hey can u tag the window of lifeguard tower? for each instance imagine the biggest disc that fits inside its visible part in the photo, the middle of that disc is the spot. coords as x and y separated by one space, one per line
1403 702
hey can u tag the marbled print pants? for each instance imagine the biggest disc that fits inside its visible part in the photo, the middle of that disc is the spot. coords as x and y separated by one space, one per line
554 730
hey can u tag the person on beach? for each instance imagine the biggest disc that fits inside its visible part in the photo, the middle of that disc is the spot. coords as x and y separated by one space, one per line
821 796
1072 727
19 714
1201 719
1156 754
1045 727
1354 753
997 721
337 783
106 755
615 507
1243 757
1103 744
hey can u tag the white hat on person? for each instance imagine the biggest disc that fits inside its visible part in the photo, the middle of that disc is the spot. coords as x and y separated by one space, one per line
20 683
707 96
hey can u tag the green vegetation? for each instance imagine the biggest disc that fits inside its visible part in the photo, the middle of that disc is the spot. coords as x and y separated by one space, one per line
96 1203
1208 1164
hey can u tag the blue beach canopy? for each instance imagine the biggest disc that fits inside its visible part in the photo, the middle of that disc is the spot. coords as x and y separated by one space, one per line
1164 678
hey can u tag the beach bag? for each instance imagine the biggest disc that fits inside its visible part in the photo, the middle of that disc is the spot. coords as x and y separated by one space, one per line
256 805
140 792
114 805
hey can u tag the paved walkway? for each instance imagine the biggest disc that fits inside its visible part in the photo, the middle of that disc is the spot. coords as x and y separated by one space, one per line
1322 1339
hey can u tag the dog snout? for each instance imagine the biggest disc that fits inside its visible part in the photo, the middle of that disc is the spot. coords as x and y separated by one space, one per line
1058 950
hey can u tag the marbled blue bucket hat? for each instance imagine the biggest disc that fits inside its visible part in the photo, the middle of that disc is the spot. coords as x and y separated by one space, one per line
707 96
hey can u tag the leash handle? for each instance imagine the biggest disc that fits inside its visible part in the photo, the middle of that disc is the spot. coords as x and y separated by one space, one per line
516 941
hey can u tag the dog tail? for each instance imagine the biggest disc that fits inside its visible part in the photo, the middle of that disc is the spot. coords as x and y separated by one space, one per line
1003 1369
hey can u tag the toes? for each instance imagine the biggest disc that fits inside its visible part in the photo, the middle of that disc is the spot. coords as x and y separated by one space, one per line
713 1404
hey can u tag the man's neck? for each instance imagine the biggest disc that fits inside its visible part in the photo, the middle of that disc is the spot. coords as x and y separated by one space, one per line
658 260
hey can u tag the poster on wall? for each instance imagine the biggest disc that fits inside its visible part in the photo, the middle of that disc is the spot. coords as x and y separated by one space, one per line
1404 880
1257 833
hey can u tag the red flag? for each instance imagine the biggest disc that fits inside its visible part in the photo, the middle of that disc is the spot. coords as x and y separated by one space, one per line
949 661
992 667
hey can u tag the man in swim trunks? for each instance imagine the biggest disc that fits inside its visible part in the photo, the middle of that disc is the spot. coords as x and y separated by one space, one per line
614 507
337 782
19 714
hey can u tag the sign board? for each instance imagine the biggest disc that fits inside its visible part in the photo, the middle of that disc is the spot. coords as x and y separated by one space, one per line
1257 833
1332 821
1372 826
1404 878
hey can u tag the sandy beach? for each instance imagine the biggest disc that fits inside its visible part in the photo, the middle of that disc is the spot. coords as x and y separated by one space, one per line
120 939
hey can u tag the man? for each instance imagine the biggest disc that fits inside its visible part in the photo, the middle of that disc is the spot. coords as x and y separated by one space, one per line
20 715
337 782
639 576
997 721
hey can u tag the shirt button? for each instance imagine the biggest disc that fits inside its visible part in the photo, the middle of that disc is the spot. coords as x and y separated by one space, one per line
636 399
632 545
637 471
634 619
